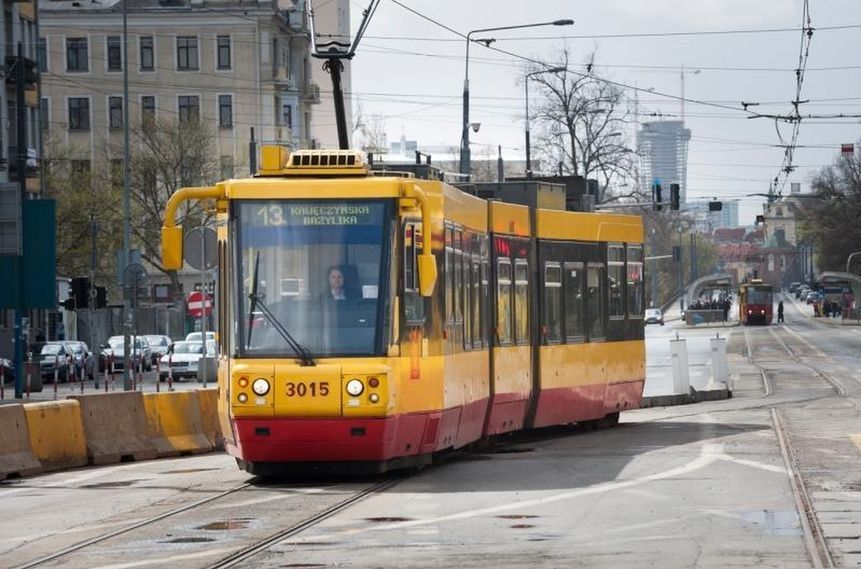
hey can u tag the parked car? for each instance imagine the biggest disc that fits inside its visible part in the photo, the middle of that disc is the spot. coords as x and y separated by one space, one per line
114 346
184 358
654 316
83 358
52 356
198 336
801 292
8 367
159 345
812 297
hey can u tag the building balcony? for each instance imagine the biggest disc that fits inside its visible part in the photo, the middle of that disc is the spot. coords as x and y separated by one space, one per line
311 93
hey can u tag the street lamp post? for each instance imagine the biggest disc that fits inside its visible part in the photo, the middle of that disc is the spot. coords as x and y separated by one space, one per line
526 88
464 139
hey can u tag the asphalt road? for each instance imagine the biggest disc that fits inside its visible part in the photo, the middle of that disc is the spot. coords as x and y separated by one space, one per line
769 478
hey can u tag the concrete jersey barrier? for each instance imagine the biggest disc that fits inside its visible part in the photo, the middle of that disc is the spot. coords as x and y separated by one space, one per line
16 456
208 399
174 423
115 427
57 434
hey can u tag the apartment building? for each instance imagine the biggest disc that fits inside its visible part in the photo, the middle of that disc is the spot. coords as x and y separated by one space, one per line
233 65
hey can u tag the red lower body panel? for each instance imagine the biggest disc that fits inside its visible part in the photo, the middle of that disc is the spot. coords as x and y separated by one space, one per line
570 404
507 413
623 396
364 440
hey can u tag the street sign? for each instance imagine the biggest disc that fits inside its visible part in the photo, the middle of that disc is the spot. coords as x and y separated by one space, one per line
193 245
199 304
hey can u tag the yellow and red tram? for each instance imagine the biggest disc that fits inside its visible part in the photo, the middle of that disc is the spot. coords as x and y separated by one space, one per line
459 318
755 302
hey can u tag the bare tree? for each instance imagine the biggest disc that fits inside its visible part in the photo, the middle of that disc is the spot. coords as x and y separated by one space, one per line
582 122
372 133
168 155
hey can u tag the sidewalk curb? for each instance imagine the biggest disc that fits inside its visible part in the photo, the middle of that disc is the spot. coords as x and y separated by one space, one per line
685 398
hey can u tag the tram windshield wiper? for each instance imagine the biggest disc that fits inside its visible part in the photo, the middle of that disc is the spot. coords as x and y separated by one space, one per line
305 357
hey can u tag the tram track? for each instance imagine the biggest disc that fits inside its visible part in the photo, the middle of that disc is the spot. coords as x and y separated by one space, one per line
264 544
129 528
814 538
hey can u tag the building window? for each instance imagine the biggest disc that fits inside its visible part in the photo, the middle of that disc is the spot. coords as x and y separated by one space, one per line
226 167
80 167
147 53
225 111
79 113
115 54
77 58
116 174
186 53
115 112
287 115
44 113
42 54
223 50
189 108
147 109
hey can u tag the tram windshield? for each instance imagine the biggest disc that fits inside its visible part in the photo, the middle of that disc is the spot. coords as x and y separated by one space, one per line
320 269
758 295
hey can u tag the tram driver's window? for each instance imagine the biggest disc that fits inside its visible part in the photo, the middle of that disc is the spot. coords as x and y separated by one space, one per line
414 308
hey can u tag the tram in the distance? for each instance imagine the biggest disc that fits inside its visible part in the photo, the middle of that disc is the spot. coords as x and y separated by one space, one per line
368 322
755 302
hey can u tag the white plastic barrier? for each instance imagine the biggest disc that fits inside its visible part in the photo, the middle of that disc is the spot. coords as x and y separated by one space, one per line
720 368
679 360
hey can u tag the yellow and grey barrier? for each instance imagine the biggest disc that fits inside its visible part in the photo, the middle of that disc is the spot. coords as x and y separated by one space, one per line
102 428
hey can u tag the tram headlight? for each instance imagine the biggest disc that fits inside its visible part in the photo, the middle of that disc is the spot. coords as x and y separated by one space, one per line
355 387
260 386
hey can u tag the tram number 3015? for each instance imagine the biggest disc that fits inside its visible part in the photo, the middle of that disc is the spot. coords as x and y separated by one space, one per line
312 389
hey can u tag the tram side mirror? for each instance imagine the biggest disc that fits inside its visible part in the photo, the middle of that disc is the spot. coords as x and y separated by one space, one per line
171 248
427 274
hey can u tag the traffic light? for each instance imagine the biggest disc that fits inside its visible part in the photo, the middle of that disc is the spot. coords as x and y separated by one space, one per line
715 206
675 197
760 219
656 198
81 292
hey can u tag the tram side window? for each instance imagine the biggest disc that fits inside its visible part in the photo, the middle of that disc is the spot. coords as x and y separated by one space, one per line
458 277
616 274
575 322
595 300
475 304
414 312
484 313
552 303
503 302
521 301
635 282
465 294
449 280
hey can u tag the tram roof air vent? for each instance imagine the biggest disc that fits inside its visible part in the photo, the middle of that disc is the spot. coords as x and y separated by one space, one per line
324 160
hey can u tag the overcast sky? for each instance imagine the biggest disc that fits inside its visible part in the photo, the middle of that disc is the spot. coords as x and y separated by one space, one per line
410 72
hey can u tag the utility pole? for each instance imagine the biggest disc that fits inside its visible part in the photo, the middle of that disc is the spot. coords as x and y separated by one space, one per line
127 379
21 172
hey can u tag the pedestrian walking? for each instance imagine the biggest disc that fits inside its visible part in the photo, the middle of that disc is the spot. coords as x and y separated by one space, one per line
780 312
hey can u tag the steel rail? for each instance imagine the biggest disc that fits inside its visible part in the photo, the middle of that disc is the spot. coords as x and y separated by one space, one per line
814 539
299 527
148 521
838 387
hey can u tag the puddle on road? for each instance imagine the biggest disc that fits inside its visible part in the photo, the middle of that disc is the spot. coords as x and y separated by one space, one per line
117 484
516 517
389 519
189 540
783 523
304 565
240 523
522 526
188 470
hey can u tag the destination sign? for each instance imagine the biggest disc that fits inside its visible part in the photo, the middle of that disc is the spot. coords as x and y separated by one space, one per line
336 214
